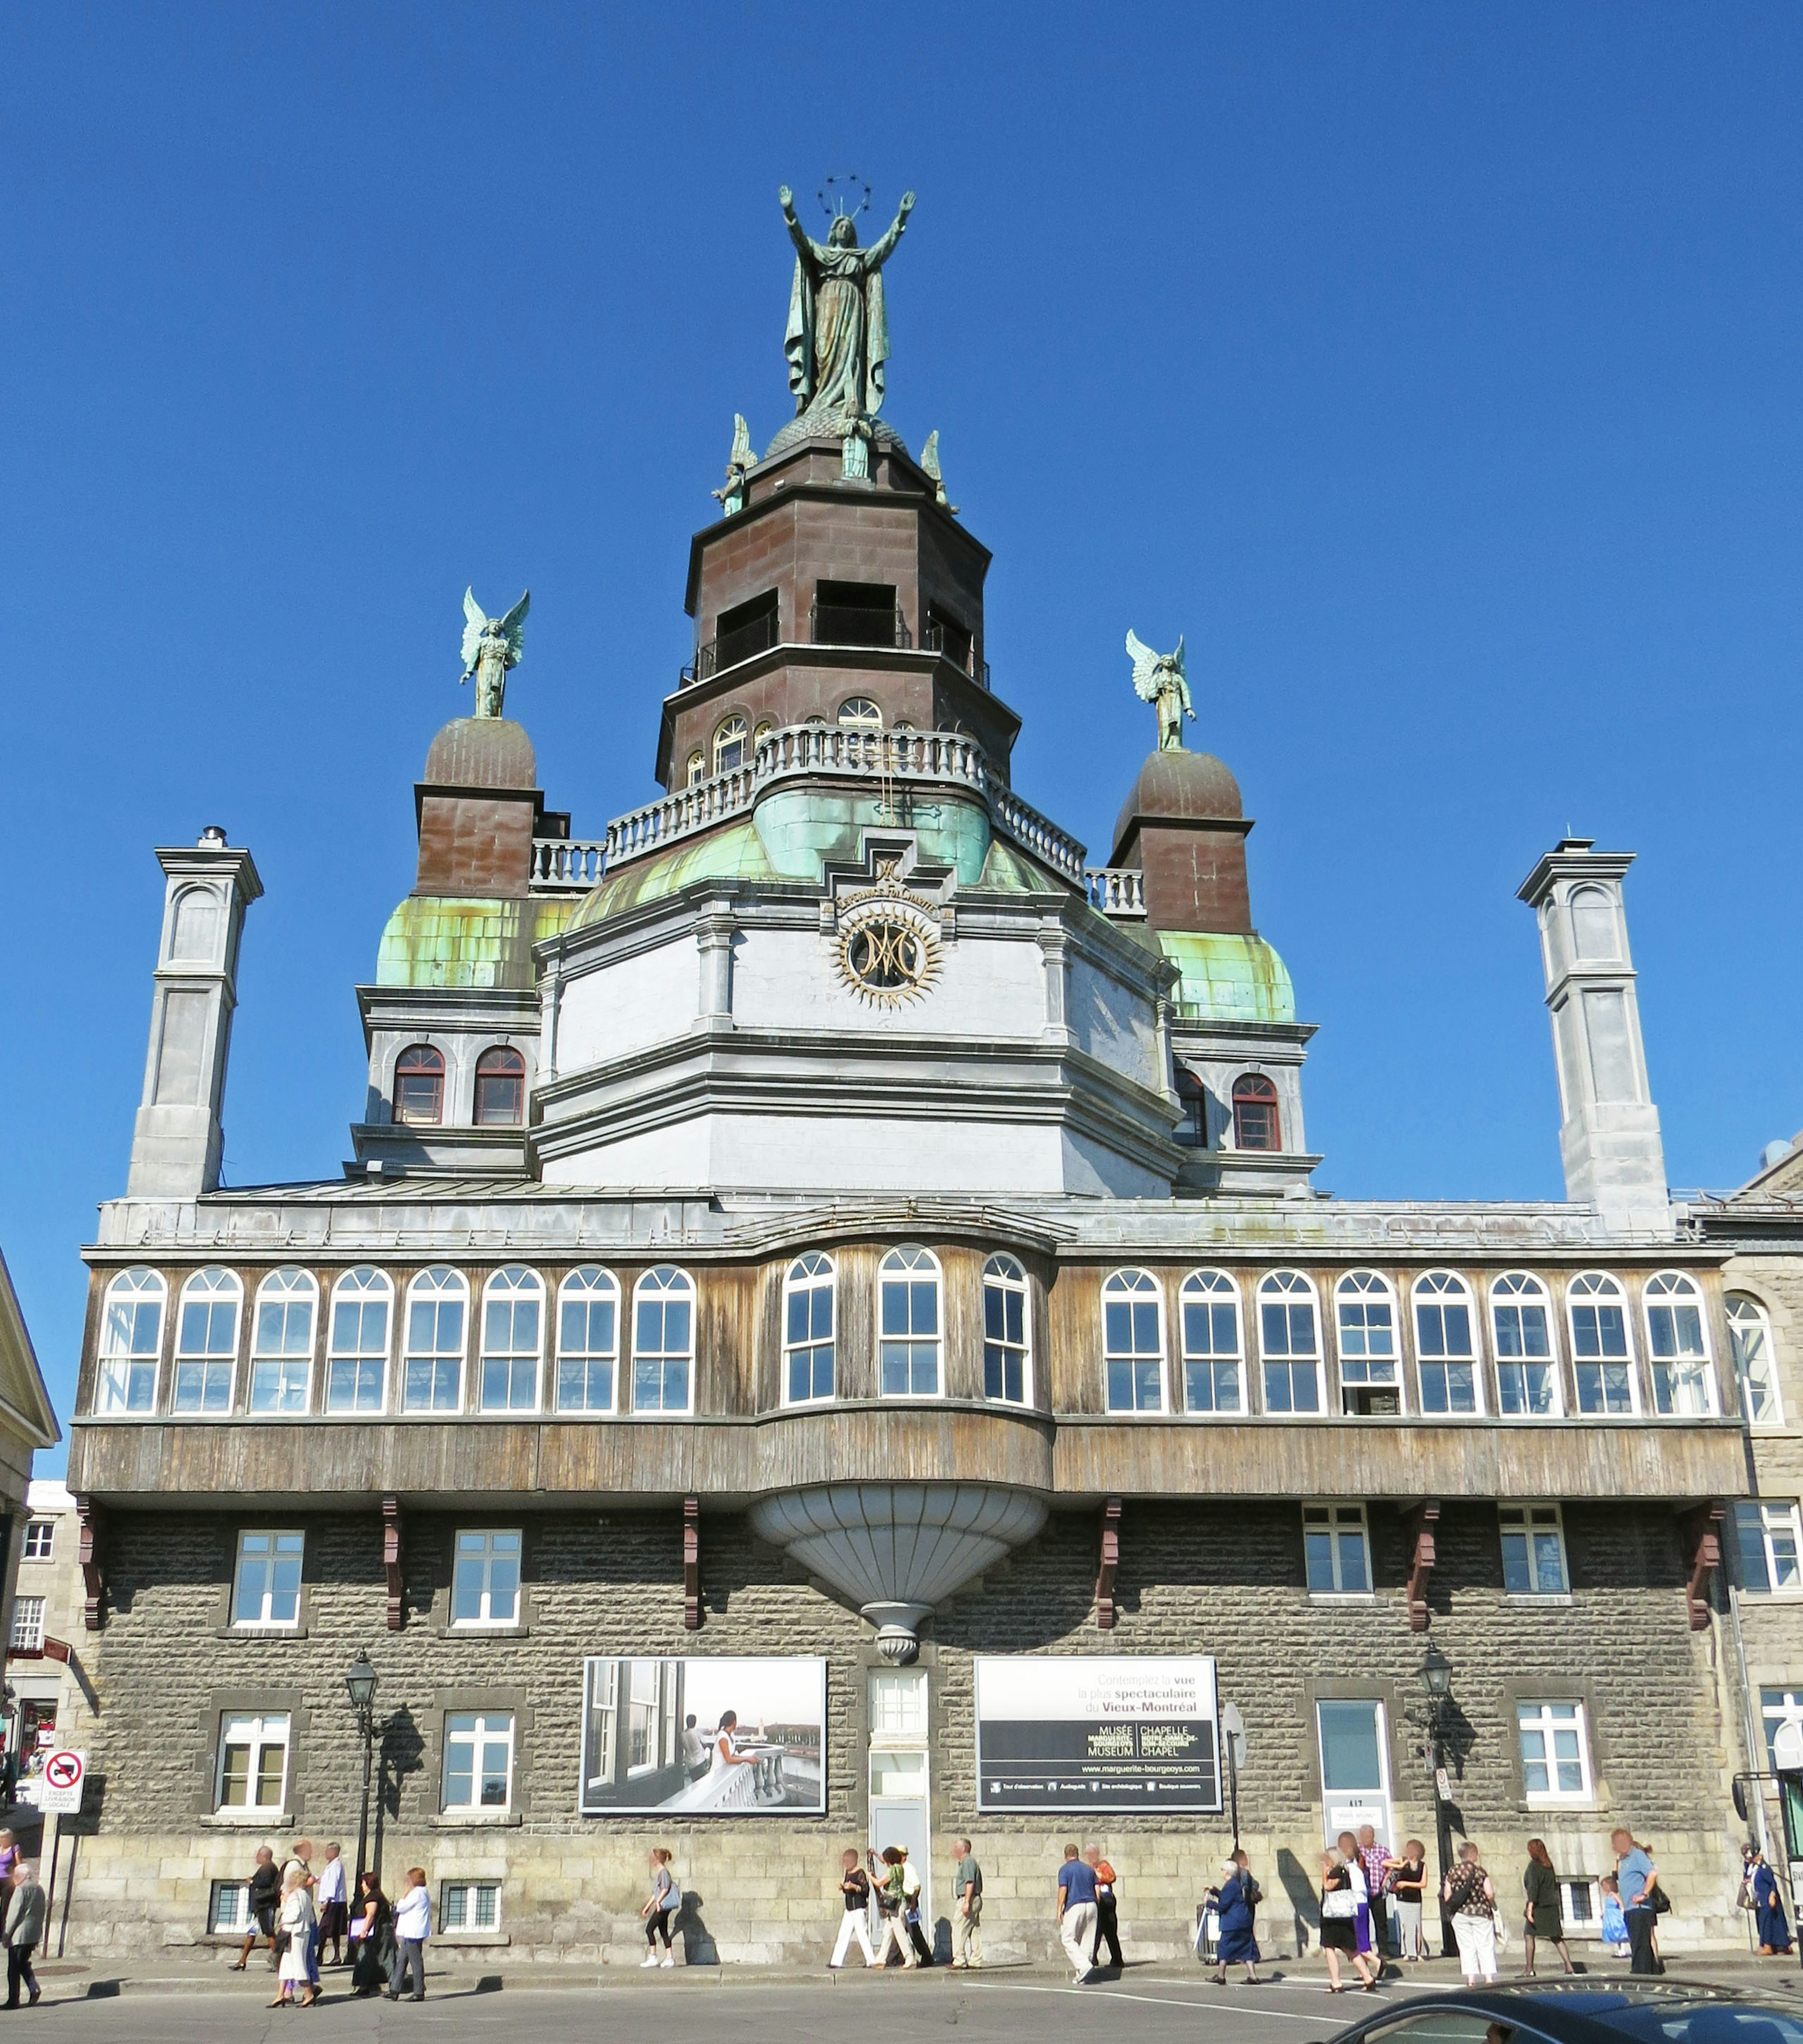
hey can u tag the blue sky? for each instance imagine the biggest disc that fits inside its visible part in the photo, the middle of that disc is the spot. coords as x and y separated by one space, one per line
1434 370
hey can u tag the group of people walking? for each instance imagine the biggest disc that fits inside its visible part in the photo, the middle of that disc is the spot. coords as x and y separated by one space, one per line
299 1911
892 1886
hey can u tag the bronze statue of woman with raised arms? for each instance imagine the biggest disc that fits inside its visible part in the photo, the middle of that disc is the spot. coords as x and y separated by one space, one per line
838 335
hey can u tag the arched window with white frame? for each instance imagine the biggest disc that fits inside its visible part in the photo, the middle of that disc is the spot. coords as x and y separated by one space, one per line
1445 1346
356 1354
588 1340
1602 1362
807 1330
1289 1345
1678 1346
438 1315
1133 1323
663 1340
282 1342
206 1342
729 743
131 1344
1207 1312
513 1322
907 1322
1527 1372
1364 1309
1750 1336
1007 1361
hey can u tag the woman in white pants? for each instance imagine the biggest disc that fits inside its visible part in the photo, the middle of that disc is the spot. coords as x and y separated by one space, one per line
1471 1900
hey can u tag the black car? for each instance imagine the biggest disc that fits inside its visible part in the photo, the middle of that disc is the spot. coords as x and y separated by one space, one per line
1585 2010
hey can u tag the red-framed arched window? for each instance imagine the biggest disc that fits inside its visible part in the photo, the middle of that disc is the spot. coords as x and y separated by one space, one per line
501 1089
1255 1113
419 1085
1192 1096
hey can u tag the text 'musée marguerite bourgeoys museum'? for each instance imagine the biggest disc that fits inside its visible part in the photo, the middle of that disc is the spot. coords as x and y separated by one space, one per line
830 1258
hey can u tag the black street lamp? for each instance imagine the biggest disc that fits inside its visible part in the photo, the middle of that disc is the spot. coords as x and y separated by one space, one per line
1436 1679
361 1681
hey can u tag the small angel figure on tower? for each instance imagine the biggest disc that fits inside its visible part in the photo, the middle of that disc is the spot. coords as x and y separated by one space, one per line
1159 677
492 646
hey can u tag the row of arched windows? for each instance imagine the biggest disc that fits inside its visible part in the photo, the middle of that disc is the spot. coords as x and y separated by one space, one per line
735 741
419 1088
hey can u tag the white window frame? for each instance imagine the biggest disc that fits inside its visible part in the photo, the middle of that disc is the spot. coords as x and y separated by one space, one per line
1515 1290
442 1284
28 1625
228 1909
734 727
1590 1924
363 1287
1746 1315
1004 1277
475 1550
510 1288
484 1727
805 1279
899 1267
1666 1293
1535 1716
464 1921
1209 1290
40 1542
1787 1709
259 1730
1135 1288
1598 1287
1359 1290
1439 1289
666 1283
1531 1524
266 1548
121 1366
210 1288
1778 1524
587 1287
1342 1518
283 1291
1289 1289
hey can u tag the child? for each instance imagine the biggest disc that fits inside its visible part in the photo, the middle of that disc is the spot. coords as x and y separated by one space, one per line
658 1910
1615 1924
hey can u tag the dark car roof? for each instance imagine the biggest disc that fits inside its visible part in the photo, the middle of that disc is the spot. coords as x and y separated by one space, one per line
1568 2009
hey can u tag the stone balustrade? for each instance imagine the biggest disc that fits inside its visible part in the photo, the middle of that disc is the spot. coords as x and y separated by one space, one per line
566 865
1117 890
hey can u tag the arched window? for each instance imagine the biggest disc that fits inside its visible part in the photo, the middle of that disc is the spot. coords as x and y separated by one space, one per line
356 1359
663 1342
765 727
1289 1343
807 1330
1365 1307
432 1374
696 772
419 1087
1133 1339
1601 1361
513 1316
907 1315
1593 924
1678 1347
1750 1335
730 744
282 1342
1527 1381
131 1340
588 1317
1193 1097
1446 1352
501 1089
206 1342
1006 1375
1208 1307
859 713
1255 1113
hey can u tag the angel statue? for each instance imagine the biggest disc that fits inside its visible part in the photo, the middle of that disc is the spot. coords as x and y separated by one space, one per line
732 494
930 468
491 646
1158 677
837 339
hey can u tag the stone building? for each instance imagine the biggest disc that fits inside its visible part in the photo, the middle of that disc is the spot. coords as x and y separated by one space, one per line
823 1256
45 1670
27 1424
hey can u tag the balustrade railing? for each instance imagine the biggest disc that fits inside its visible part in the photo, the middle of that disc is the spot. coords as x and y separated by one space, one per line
743 642
566 865
1117 890
852 625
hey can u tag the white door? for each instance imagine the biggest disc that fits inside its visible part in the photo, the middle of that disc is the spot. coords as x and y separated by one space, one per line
1354 1769
898 1776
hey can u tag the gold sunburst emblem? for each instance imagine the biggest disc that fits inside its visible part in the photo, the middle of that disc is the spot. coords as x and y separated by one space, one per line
887 949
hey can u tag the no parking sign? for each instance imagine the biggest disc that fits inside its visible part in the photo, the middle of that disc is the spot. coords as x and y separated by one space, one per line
59 1787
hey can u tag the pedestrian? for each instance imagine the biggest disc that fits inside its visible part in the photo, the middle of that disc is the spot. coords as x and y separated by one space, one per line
262 1895
1348 1846
911 1909
1470 1896
966 1909
894 1859
1408 1878
1342 1882
329 1897
1108 1919
854 1887
299 1922
8 1854
300 1862
1639 1879
1767 1905
1076 1916
1233 1903
1374 1859
1614 1928
1546 1912
372 1935
412 1926
658 1908
26 1910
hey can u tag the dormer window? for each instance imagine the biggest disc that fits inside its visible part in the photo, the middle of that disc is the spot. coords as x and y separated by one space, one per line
1255 1113
856 613
501 1089
1193 1097
419 1087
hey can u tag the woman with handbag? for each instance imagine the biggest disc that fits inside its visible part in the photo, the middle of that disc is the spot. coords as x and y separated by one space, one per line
1641 1895
1546 1908
1343 1890
1767 1905
1470 1897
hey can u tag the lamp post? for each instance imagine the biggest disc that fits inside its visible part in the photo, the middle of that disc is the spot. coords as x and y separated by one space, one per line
1233 1738
1436 1679
360 1680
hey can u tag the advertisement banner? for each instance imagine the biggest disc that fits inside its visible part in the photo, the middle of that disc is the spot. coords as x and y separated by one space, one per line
704 1736
1097 1732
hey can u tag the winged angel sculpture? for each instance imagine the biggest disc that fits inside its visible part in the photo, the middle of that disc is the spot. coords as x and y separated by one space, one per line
491 646
1159 677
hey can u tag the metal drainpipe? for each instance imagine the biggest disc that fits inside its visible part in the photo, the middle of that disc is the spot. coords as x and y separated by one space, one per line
1749 1732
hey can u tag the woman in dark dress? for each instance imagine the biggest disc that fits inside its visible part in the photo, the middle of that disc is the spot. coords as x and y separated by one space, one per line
372 1921
1233 1904
1768 1906
1546 1909
1340 1892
